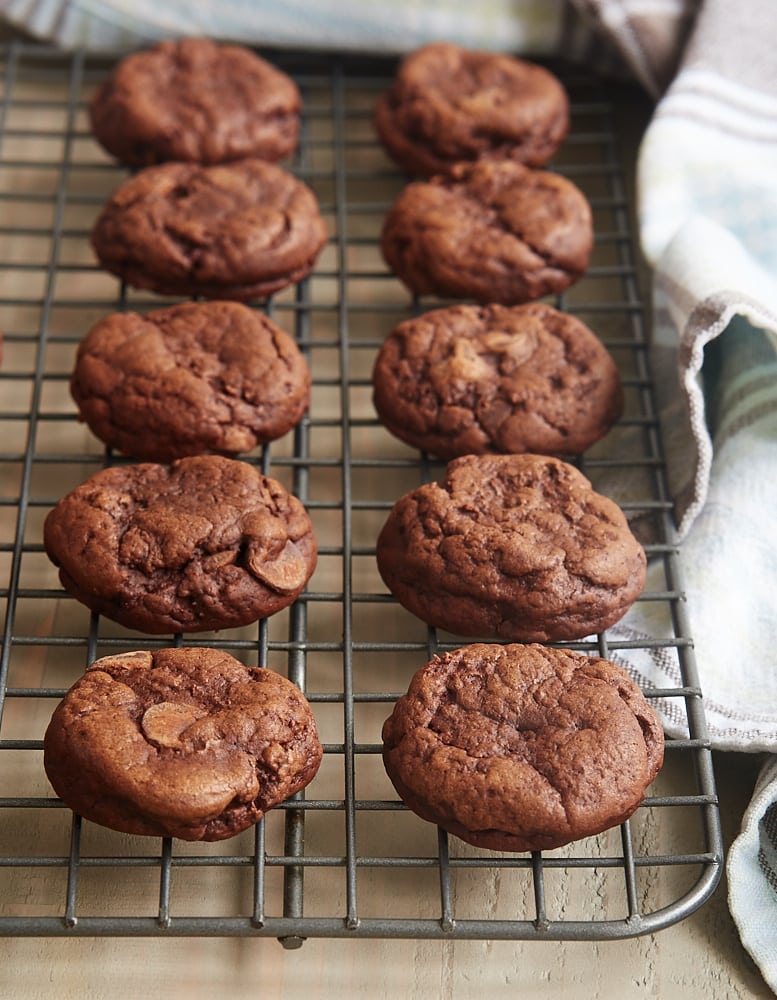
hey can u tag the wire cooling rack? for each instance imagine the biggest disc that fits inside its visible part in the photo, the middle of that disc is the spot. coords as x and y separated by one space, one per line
344 859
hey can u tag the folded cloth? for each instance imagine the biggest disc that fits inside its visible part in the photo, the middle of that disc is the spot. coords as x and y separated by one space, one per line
708 215
573 29
532 26
650 38
708 223
707 209
751 867
729 553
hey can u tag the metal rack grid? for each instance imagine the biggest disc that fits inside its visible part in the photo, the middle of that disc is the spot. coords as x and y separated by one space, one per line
344 859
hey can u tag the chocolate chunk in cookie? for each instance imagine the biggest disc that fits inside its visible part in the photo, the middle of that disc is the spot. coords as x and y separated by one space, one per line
522 748
194 378
511 547
207 543
185 743
493 232
448 104
473 380
239 230
194 100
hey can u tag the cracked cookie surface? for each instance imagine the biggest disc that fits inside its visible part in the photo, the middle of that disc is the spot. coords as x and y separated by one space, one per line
522 748
194 100
238 230
448 104
472 380
184 742
492 231
189 379
206 543
511 547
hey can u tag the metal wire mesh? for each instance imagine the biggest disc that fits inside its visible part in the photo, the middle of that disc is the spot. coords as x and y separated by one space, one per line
345 859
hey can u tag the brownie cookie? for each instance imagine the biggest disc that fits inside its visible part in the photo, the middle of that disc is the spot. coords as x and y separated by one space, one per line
511 547
194 100
522 748
207 543
185 743
239 230
492 231
476 379
449 104
189 379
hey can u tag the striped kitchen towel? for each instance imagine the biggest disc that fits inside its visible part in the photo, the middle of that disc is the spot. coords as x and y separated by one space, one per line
707 183
577 30
531 26
751 868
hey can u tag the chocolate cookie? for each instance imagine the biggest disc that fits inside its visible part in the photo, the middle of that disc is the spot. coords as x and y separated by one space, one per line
448 104
522 748
471 380
189 379
511 547
206 543
194 100
492 231
239 230
182 743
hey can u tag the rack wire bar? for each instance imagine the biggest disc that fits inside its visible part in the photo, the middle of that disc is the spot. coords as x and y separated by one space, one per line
344 859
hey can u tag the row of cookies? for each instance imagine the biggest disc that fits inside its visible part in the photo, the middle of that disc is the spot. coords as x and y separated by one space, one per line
508 746
485 221
179 739
514 543
201 377
189 742
208 214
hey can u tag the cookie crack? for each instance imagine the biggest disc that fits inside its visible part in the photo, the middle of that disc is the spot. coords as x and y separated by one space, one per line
498 221
189 248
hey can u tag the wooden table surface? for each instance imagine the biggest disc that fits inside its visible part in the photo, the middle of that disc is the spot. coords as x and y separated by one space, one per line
701 957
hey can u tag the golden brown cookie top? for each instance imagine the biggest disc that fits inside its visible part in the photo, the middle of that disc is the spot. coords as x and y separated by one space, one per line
513 547
236 230
183 742
205 543
194 378
449 104
522 748
476 379
491 231
196 100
